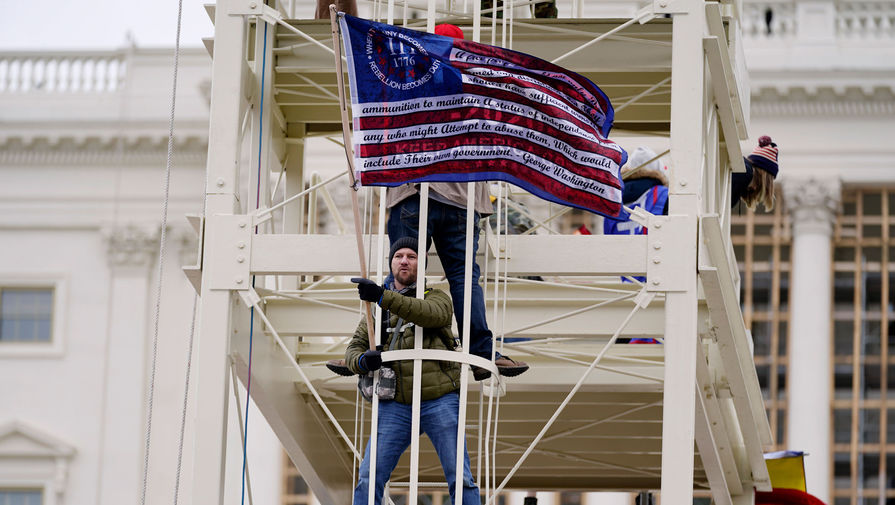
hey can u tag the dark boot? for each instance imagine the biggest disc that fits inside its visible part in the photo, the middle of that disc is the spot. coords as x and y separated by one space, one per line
545 10
346 6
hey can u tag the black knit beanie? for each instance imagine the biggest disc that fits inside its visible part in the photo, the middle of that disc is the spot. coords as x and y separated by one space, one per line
401 243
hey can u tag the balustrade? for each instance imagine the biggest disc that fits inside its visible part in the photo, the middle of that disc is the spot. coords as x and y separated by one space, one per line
859 20
69 72
769 20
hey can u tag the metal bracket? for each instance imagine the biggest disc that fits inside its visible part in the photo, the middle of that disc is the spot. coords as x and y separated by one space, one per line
669 7
256 8
644 298
249 297
497 249
194 272
667 237
230 238
639 215
263 218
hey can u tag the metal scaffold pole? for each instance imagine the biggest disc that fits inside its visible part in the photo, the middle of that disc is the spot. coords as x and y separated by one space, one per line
688 101
221 200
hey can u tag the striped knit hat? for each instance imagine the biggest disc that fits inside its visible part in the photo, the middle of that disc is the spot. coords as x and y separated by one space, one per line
765 156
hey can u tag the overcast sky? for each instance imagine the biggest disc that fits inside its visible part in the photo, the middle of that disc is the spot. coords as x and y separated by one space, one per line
100 24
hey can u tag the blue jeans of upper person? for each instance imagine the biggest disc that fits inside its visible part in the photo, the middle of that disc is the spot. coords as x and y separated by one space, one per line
438 420
446 228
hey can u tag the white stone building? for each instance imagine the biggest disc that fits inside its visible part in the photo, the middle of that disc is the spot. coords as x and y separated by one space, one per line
82 179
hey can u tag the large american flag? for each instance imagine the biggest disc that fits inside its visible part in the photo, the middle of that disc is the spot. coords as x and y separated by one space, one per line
429 108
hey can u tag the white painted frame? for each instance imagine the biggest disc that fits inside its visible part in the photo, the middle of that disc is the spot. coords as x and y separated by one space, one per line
45 486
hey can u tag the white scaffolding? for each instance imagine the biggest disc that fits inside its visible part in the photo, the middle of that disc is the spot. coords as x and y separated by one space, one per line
590 414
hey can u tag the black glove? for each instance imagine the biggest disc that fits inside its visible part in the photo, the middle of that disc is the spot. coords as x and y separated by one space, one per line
368 290
370 360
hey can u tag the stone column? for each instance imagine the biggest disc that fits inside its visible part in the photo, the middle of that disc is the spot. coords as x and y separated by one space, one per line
131 253
812 204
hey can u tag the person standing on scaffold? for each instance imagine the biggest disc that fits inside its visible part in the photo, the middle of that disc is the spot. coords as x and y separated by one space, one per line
439 388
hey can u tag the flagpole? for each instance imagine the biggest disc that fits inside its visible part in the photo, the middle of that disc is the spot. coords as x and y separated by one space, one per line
346 137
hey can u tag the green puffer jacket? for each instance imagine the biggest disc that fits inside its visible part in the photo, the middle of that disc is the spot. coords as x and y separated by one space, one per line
434 314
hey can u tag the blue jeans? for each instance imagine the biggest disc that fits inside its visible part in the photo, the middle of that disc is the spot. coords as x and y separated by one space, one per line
447 229
438 420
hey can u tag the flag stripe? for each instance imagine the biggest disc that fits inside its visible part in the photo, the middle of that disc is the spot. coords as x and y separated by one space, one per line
462 171
586 169
485 97
476 120
523 62
560 89
538 121
488 157
551 108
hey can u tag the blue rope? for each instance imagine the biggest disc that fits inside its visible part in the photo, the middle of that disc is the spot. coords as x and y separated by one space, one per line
252 310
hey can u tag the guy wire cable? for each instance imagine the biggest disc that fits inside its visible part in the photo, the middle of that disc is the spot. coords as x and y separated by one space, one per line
161 260
252 310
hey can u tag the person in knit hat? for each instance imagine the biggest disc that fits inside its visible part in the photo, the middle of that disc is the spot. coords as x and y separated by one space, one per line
439 380
402 243
757 184
397 281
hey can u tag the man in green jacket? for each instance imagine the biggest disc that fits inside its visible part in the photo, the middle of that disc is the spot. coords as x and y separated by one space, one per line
439 408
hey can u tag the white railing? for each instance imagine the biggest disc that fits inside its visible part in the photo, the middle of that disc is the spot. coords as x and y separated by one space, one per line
861 20
769 20
62 72
772 20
